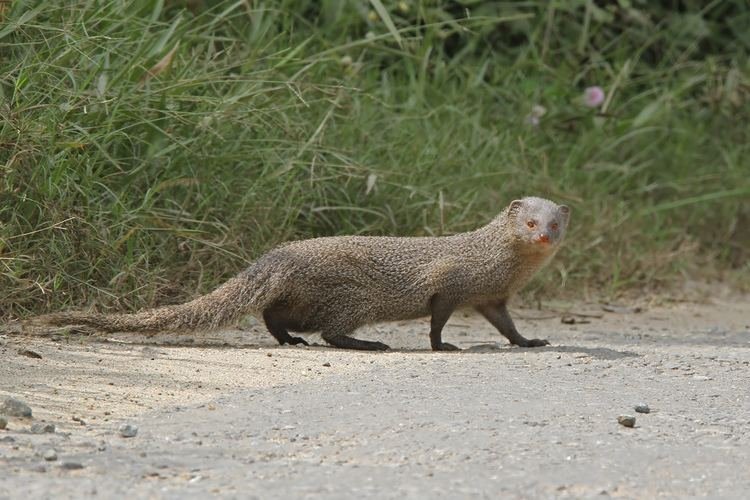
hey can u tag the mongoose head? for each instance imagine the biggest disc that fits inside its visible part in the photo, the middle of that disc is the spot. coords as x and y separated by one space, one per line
538 223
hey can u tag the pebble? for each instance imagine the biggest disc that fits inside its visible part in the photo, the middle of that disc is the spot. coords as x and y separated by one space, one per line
128 430
626 420
571 320
3 422
642 408
42 428
71 465
50 455
39 468
327 364
15 408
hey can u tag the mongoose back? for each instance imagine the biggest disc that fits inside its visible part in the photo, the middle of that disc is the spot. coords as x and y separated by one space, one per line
334 285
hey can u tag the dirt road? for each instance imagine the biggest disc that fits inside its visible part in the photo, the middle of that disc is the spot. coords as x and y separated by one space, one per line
250 419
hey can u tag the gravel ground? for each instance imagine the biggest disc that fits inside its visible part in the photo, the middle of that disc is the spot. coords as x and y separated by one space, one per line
232 415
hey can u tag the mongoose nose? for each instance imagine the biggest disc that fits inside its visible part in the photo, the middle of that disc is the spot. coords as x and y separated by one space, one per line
543 238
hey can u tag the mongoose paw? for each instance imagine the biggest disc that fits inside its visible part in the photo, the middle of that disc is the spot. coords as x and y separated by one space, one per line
445 346
535 343
379 346
296 340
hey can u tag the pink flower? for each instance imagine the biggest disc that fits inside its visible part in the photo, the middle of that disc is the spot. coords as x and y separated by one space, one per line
593 97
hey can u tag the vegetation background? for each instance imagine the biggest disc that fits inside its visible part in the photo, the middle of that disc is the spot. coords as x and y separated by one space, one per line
151 149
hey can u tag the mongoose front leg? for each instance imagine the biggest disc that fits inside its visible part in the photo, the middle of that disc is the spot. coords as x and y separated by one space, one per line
275 325
497 314
441 309
347 342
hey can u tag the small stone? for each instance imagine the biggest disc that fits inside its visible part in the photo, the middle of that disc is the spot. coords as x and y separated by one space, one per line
327 364
50 455
642 408
42 428
626 420
15 408
39 468
71 465
3 422
7 439
128 430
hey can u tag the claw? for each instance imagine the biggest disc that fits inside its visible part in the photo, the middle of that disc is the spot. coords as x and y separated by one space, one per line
445 346
536 343
379 346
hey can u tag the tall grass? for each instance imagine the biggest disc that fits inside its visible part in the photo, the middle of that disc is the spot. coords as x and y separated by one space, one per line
149 150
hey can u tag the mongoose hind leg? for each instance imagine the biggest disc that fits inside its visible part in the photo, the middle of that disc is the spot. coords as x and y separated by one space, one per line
441 308
497 314
346 342
276 326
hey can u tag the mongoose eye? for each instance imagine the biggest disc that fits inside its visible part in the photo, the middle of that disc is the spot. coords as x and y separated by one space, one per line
554 226
531 224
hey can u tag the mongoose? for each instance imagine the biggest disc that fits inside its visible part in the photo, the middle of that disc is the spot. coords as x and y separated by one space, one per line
334 285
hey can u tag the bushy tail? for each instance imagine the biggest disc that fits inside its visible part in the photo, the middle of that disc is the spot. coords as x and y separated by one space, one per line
224 305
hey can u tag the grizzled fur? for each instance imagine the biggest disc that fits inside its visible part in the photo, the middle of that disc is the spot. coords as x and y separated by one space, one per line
335 285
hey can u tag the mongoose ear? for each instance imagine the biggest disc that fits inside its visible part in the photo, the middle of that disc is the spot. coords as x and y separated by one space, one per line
514 207
565 210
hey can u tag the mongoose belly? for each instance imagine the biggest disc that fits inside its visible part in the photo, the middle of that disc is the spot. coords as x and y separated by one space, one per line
349 298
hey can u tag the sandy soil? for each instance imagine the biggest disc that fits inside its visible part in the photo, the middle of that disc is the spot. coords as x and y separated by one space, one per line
234 415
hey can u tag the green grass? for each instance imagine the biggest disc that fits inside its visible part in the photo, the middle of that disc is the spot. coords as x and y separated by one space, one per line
125 188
